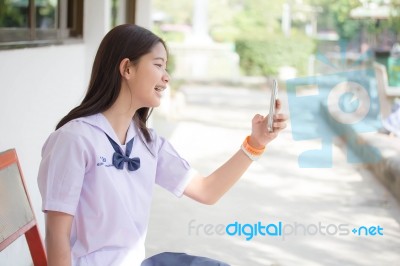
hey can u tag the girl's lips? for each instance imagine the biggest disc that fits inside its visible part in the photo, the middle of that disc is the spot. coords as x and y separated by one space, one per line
160 88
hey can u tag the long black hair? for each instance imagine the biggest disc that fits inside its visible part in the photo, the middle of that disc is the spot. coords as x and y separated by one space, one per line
124 41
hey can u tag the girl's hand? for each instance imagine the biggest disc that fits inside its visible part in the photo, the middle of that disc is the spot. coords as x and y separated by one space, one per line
260 136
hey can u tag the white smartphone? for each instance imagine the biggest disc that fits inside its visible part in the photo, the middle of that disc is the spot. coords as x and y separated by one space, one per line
272 104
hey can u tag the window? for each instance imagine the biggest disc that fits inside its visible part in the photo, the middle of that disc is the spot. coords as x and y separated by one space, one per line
123 11
39 22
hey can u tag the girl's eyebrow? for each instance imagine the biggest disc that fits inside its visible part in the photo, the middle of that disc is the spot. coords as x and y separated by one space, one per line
159 58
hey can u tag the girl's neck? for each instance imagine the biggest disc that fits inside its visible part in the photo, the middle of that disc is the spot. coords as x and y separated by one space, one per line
120 116
119 123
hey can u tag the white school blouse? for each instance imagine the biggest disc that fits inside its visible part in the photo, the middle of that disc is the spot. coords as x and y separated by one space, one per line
110 206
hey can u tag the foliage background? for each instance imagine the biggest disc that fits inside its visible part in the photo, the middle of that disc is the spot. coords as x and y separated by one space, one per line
254 28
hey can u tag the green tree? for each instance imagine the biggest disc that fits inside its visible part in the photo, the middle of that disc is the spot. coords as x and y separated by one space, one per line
337 14
177 12
11 15
262 47
251 19
345 26
394 20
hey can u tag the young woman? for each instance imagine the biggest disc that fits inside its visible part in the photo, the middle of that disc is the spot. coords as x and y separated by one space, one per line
99 167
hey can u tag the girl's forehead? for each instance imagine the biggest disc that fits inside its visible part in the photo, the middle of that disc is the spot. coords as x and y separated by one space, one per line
159 51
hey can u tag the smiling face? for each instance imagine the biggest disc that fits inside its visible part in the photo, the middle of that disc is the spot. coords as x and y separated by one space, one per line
149 78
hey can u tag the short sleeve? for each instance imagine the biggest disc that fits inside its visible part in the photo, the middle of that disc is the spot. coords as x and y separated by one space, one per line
173 172
61 172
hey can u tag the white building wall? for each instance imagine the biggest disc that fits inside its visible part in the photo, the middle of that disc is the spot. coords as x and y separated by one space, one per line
37 87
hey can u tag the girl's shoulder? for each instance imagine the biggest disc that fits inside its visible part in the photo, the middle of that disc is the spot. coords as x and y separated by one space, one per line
79 127
80 131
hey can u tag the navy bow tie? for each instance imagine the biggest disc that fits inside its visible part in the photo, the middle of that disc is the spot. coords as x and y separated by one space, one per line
118 158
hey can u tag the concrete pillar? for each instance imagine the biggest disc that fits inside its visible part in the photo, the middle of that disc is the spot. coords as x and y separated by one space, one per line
143 13
97 22
286 19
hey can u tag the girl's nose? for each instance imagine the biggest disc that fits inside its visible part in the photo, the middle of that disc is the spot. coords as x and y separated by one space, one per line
166 77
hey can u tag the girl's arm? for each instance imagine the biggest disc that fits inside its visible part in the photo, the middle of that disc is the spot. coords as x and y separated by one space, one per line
58 230
209 189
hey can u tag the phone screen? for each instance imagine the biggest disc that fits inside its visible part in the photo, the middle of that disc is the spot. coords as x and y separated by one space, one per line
274 95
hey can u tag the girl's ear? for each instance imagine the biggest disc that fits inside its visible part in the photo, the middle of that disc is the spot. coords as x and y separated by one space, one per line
125 68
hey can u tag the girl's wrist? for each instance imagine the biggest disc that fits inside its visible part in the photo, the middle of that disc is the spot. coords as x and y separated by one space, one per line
253 152
254 143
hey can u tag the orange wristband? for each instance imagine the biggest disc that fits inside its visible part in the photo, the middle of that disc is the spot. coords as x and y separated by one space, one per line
250 149
251 152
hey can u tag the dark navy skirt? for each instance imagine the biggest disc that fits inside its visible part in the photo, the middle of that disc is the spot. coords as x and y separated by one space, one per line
180 259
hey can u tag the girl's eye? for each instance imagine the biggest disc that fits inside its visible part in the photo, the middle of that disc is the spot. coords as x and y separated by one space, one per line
159 65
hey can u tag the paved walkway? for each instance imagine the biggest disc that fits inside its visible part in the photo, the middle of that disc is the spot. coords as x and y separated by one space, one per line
332 201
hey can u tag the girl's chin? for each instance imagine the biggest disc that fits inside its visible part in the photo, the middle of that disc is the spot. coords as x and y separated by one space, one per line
155 103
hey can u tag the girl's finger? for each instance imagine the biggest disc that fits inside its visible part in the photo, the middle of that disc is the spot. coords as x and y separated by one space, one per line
258 118
281 117
278 104
279 125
